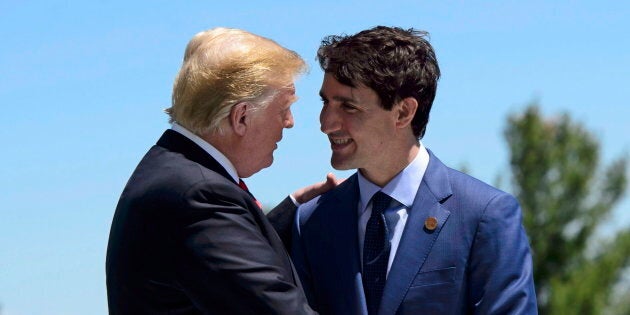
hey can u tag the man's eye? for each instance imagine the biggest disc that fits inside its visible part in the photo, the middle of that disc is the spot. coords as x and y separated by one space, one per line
348 107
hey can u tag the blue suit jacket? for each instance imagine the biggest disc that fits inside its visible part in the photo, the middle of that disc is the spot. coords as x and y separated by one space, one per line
477 260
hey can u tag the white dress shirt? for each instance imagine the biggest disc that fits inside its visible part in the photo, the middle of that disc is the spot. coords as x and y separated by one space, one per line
214 153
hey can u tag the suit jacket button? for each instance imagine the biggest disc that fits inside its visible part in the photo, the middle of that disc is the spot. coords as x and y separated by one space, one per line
430 223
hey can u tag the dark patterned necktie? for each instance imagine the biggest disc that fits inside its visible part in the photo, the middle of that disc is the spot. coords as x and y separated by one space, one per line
376 253
241 184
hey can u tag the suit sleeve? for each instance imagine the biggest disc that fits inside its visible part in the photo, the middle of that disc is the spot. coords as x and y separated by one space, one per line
500 277
298 250
227 259
282 218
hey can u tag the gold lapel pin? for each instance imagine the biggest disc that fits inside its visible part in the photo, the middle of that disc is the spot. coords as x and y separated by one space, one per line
430 223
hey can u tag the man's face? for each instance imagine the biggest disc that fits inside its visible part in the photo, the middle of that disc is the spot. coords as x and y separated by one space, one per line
266 129
357 126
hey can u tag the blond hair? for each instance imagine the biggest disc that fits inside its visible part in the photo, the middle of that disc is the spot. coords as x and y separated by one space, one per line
223 67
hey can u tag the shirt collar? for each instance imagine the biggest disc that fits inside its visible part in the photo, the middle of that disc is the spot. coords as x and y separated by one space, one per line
403 187
214 152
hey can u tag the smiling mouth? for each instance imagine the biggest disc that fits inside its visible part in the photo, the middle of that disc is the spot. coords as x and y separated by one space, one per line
339 143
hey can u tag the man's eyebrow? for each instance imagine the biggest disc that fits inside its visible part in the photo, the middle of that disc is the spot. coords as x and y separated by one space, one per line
337 98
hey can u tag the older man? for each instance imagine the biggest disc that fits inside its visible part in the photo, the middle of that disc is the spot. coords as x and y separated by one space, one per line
187 236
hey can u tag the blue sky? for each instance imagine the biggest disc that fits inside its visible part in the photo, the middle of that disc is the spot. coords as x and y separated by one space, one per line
83 85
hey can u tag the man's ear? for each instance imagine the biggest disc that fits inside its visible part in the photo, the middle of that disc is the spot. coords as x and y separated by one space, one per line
239 119
406 109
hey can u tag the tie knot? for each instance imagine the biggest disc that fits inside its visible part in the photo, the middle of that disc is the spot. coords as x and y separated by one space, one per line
380 202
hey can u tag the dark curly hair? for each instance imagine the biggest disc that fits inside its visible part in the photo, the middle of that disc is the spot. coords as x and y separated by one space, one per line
394 62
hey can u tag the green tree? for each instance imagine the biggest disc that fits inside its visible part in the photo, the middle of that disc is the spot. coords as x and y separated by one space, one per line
566 195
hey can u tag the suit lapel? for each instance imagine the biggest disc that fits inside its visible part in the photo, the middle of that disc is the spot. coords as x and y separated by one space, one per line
176 142
344 223
417 241
343 273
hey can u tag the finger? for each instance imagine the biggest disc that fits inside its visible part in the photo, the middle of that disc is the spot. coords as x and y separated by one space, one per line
331 180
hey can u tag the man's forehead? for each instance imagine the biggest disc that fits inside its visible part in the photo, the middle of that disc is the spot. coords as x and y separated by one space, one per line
288 93
342 91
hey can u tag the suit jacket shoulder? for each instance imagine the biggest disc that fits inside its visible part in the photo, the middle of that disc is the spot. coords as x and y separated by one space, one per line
475 260
186 238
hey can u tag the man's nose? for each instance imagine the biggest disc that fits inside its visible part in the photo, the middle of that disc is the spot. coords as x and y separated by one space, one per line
329 120
289 122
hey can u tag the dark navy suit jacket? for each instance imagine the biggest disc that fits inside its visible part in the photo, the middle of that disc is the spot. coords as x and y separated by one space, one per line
186 239
476 261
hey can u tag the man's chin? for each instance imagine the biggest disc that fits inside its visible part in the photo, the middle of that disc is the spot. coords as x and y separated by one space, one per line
340 165
260 167
268 163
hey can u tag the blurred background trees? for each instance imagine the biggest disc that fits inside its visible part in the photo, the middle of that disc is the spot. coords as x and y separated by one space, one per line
566 195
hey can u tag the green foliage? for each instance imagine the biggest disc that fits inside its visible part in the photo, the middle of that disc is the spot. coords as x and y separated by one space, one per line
565 196
589 288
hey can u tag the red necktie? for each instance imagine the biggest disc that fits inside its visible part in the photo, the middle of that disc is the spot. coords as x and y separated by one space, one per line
241 184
